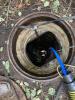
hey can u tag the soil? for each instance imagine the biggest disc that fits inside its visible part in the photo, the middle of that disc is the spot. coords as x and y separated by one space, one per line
10 12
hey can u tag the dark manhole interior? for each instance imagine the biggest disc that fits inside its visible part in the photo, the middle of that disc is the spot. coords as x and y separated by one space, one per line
38 50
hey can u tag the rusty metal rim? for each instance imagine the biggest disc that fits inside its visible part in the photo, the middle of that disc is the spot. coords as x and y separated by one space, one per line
15 86
25 19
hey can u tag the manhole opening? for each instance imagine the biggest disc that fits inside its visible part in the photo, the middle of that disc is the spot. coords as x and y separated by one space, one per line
24 60
38 50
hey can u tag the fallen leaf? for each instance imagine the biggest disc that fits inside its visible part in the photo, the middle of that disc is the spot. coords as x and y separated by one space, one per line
12 25
18 81
46 98
51 91
46 3
36 98
27 91
26 84
21 83
6 65
33 93
1 19
19 13
55 5
1 49
39 91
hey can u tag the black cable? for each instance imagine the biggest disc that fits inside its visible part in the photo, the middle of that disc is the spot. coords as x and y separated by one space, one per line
46 22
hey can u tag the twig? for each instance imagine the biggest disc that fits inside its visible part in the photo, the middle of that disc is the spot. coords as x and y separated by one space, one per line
21 1
69 7
64 1
8 12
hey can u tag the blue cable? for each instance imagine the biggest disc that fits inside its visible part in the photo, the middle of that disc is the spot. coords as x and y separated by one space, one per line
63 68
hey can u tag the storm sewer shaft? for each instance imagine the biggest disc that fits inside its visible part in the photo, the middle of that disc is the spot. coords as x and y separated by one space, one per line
30 54
38 50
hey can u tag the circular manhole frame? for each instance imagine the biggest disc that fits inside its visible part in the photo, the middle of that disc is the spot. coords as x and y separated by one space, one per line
16 89
24 20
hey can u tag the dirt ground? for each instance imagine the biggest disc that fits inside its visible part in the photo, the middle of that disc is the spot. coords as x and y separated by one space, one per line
10 12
